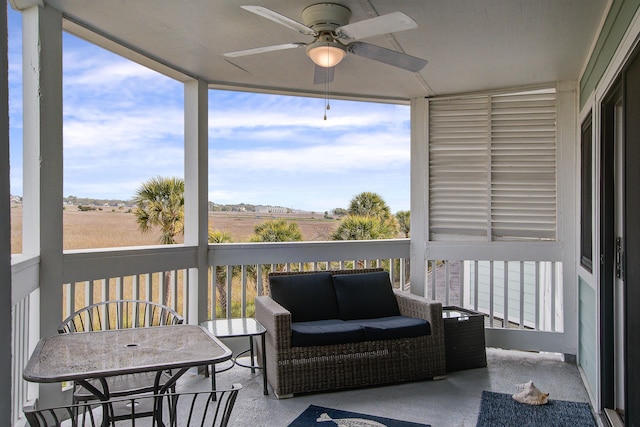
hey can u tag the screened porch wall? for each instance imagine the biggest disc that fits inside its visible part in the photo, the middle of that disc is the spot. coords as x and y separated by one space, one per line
492 166
499 176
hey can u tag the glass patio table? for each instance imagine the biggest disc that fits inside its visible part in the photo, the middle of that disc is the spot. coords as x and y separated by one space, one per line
100 354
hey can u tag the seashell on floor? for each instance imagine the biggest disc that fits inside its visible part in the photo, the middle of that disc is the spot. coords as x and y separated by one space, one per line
530 394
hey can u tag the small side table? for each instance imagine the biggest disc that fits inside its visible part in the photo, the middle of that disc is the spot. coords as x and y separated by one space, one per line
463 339
239 327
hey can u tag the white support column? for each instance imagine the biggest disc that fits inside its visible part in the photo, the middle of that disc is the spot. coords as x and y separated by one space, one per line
196 105
42 182
419 194
568 171
5 231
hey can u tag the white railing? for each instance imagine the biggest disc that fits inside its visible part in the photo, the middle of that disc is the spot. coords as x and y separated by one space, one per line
529 291
165 287
238 271
151 273
20 324
160 274
24 328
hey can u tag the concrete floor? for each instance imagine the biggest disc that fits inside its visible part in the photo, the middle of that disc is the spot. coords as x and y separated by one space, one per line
453 401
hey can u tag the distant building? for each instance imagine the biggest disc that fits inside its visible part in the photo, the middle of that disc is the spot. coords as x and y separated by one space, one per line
271 209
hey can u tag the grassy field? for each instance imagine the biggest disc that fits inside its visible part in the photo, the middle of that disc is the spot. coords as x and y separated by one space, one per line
112 227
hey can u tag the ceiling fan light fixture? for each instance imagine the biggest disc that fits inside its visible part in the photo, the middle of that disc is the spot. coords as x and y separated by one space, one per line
335 35
326 53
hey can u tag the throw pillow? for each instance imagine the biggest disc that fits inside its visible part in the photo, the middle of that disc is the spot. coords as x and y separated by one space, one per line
307 296
365 295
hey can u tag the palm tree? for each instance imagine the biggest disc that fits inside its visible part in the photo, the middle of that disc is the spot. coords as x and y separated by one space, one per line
277 230
369 218
356 227
369 204
404 222
160 204
216 236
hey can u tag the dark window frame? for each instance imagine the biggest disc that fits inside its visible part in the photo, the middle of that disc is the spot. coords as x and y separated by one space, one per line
586 194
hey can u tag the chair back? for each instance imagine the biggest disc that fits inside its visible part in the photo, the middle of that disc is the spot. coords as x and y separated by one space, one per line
205 408
119 314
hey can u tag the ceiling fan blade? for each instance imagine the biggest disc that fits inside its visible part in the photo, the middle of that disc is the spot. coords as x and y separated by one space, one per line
390 23
262 49
323 75
281 19
391 57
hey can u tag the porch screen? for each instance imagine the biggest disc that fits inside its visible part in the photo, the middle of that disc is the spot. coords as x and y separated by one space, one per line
492 167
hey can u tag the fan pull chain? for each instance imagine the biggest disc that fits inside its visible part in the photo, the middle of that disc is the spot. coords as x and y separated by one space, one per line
327 107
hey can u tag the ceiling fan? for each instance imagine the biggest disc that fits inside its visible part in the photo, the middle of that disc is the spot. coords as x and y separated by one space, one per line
334 37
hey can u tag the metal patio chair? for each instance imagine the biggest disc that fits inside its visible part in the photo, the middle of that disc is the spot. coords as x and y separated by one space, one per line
120 314
205 408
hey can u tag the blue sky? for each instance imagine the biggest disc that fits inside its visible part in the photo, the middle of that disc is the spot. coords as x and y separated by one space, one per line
123 124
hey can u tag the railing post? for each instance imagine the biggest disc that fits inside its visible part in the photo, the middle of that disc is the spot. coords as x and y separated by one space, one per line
521 326
135 288
434 284
553 296
68 303
537 293
491 292
505 310
462 282
259 288
119 287
162 287
229 291
447 282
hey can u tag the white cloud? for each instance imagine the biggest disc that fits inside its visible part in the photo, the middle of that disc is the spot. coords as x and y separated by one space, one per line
121 129
91 66
297 112
123 124
348 153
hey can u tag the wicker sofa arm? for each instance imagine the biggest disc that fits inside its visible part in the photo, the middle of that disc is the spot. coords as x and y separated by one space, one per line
418 307
276 320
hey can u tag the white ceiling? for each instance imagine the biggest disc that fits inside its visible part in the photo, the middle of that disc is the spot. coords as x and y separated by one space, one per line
471 45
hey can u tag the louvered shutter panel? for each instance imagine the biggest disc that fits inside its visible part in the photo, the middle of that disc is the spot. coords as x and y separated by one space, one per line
492 167
458 168
523 166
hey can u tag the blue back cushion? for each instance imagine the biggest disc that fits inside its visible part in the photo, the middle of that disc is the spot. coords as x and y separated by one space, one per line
307 296
365 295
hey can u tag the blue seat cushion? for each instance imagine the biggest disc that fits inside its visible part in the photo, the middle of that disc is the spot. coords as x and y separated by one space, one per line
365 295
325 332
394 327
307 297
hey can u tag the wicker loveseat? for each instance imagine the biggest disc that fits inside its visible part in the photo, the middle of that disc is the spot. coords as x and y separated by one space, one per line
297 364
